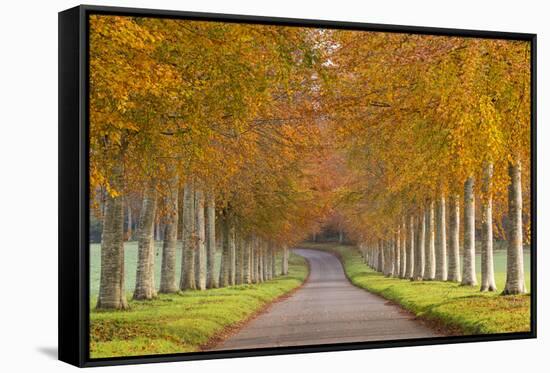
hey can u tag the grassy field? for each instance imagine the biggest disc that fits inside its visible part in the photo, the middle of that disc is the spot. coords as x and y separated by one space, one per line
462 310
186 321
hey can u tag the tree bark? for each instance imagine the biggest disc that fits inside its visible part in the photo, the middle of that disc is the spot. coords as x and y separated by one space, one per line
239 261
381 258
129 222
397 253
487 266
145 288
261 257
388 258
200 238
255 261
410 250
112 291
429 269
247 262
168 281
454 239
232 252
284 263
211 242
267 261
273 263
441 242
187 278
180 214
515 281
371 255
469 252
418 272
225 265
403 269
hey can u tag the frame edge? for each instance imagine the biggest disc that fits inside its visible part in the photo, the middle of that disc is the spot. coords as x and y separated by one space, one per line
70 331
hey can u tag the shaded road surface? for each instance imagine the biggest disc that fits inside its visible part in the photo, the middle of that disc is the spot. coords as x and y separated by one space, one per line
326 309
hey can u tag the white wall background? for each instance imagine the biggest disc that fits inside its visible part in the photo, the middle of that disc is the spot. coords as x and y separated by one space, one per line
28 183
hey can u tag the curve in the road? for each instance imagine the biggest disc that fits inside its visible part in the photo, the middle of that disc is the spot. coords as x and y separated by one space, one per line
327 309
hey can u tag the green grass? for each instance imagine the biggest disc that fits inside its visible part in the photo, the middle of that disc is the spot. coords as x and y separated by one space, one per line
461 309
183 322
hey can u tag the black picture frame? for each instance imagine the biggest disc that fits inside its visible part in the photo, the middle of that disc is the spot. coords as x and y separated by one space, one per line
74 196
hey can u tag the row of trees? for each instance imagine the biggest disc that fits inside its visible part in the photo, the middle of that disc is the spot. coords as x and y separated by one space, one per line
434 128
211 128
244 137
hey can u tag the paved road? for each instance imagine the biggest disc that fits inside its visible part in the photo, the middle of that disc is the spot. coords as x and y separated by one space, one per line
327 309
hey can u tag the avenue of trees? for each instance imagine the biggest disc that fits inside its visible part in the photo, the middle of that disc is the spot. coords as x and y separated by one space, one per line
210 128
244 139
434 129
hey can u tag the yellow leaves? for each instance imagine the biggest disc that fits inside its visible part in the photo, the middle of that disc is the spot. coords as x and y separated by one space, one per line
282 122
450 106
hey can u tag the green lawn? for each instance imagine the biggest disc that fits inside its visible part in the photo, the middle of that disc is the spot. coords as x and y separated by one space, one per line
186 321
462 310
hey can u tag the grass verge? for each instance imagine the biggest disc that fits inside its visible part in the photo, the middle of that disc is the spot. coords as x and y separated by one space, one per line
457 309
185 322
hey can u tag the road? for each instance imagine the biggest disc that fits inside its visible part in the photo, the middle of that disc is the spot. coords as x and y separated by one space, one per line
326 309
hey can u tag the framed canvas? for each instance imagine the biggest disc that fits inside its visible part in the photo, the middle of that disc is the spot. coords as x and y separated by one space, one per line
235 186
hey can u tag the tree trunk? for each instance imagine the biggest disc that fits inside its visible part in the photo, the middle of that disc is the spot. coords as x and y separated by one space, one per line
387 247
441 242
152 260
232 252
371 255
397 253
112 291
469 252
168 282
340 236
211 242
454 243
391 254
200 237
261 257
254 253
429 269
187 278
157 231
284 262
515 281
225 265
381 258
410 250
487 266
403 266
267 261
418 272
180 215
247 261
146 261
129 223
239 260
273 262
